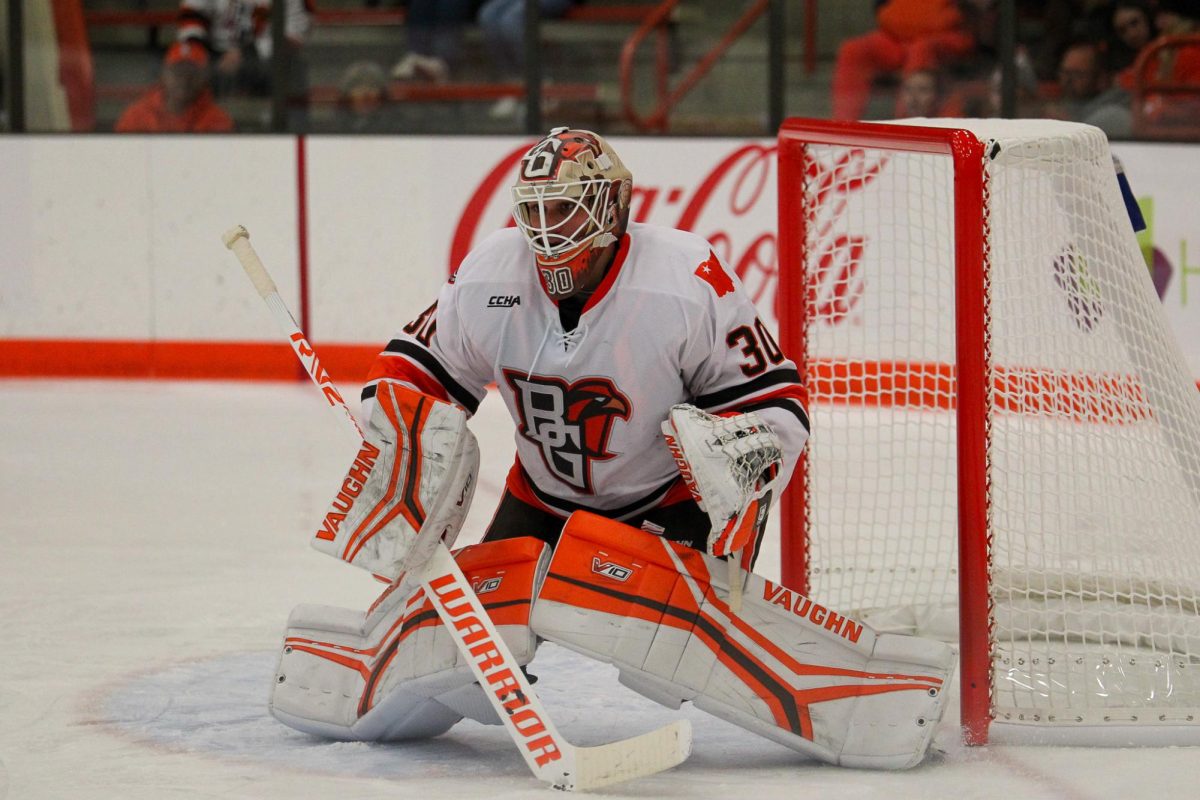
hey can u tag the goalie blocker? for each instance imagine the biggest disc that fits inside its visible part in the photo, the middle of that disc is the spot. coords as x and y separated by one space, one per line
410 484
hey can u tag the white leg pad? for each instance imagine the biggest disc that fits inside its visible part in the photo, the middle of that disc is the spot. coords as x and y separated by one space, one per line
784 667
395 672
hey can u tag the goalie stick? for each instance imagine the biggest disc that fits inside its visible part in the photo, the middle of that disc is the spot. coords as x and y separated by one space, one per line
551 757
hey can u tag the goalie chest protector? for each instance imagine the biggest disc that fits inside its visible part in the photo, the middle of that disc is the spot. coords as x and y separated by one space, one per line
669 324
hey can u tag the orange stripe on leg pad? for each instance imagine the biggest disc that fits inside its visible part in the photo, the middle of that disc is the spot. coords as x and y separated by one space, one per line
338 667
649 606
608 566
504 574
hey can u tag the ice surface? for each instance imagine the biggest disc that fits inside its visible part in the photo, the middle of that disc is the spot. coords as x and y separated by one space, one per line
155 537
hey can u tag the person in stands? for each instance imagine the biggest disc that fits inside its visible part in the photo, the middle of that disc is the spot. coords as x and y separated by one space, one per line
913 35
503 25
1131 28
1086 92
1179 18
922 94
182 102
435 39
238 34
1176 66
363 105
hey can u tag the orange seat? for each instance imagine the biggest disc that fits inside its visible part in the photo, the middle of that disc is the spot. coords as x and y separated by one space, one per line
1166 91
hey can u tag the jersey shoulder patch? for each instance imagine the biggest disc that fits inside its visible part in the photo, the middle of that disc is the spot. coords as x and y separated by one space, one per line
712 272
684 261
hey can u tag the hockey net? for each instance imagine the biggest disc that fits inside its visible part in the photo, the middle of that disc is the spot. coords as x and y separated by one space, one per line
1005 437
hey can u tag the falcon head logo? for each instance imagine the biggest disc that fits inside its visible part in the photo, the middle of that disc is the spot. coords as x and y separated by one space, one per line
594 404
570 423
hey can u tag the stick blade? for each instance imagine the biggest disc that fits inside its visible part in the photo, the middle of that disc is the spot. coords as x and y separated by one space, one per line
625 760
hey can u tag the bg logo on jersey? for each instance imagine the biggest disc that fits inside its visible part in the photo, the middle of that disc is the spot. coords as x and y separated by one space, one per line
569 422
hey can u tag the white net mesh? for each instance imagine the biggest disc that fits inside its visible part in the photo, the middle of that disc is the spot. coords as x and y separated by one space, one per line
1094 429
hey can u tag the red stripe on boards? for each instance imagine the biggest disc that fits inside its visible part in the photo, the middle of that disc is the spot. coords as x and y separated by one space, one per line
347 364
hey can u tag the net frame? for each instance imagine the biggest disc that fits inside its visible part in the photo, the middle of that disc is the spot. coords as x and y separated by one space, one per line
972 315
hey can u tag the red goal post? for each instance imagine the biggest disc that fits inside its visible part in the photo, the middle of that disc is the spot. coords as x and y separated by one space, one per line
987 371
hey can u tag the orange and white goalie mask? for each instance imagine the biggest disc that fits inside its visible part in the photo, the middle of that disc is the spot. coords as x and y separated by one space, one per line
571 200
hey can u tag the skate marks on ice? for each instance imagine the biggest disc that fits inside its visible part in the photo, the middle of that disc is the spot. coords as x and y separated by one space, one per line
219 707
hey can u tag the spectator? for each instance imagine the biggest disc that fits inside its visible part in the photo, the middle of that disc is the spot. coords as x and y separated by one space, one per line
503 24
238 33
435 34
182 102
980 95
1028 97
1086 93
362 100
1177 66
1177 17
921 94
913 35
1050 25
1131 27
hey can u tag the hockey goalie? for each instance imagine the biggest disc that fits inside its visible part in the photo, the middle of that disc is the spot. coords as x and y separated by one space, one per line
656 421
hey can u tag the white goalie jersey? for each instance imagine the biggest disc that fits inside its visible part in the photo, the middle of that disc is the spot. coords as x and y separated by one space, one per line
230 24
669 324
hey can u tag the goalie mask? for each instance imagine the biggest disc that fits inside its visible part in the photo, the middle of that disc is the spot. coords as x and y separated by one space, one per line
571 201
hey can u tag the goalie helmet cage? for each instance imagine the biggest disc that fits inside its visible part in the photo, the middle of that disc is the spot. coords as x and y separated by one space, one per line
1005 436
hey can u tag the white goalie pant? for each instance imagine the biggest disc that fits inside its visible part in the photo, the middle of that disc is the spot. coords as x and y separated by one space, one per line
784 667
395 672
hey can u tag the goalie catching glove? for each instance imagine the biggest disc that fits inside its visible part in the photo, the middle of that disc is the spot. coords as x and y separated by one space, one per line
731 466
410 485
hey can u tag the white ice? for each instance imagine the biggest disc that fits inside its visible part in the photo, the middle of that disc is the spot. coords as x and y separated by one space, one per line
154 540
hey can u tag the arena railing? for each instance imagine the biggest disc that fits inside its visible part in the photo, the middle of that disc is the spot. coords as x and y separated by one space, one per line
648 15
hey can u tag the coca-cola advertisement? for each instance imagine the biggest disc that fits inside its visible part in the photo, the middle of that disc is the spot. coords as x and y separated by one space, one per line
413 224
361 233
